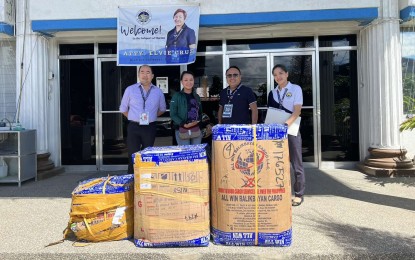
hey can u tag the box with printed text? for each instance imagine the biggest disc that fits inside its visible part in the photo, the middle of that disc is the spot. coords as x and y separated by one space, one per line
250 185
171 201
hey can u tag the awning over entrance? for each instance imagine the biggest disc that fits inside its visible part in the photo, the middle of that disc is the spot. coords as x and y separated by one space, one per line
407 13
357 15
6 29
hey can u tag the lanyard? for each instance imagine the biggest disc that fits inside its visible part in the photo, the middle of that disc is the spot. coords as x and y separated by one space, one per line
146 97
176 35
280 100
231 93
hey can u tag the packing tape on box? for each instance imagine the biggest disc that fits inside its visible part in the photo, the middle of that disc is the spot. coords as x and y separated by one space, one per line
143 178
181 197
165 224
84 205
105 229
201 186
147 168
151 167
256 185
86 208
252 153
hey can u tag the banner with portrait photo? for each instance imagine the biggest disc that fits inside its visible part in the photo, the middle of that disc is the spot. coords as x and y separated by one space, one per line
157 35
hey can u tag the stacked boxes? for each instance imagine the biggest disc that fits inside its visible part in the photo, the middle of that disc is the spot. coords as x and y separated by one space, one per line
251 195
102 209
171 201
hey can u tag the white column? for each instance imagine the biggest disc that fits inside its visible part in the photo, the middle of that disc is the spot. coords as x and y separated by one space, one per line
380 93
53 103
31 77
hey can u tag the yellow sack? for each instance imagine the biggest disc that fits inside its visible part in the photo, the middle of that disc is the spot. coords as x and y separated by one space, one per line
102 209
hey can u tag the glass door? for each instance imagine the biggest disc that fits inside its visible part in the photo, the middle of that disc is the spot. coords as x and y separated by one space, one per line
301 71
111 130
111 133
338 90
256 74
77 114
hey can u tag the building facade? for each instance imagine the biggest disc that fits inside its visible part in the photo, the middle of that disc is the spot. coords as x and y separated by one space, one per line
59 74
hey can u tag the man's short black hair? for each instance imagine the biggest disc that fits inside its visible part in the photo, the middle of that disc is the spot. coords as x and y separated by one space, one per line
145 65
233 67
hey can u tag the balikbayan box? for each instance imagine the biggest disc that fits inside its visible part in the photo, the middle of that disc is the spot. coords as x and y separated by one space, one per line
171 200
250 185
102 209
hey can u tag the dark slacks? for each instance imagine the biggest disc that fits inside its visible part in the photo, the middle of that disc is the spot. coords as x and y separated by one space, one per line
296 159
139 137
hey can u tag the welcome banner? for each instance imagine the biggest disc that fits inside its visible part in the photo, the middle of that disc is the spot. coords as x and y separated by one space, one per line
157 35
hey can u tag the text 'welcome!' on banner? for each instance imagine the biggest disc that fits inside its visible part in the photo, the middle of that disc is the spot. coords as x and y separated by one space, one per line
157 35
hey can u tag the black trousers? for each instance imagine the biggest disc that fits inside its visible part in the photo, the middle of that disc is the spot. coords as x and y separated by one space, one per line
139 137
296 159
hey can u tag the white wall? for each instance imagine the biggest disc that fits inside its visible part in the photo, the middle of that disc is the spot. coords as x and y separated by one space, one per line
53 112
81 9
408 142
7 11
2 10
7 79
405 3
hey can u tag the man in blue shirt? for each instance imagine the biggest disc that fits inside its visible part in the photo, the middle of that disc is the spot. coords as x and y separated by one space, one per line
237 104
142 103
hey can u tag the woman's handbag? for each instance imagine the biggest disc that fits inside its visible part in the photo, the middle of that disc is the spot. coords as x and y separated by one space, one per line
189 133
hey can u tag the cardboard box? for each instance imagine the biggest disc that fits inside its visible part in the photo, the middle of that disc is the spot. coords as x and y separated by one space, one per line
171 201
251 205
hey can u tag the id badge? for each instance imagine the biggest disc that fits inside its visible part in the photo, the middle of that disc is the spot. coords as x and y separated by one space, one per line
227 111
175 55
144 118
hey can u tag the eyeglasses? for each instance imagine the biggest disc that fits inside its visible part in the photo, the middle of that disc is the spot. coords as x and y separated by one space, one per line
232 76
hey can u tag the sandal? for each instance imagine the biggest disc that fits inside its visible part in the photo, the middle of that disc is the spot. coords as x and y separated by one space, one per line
297 201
